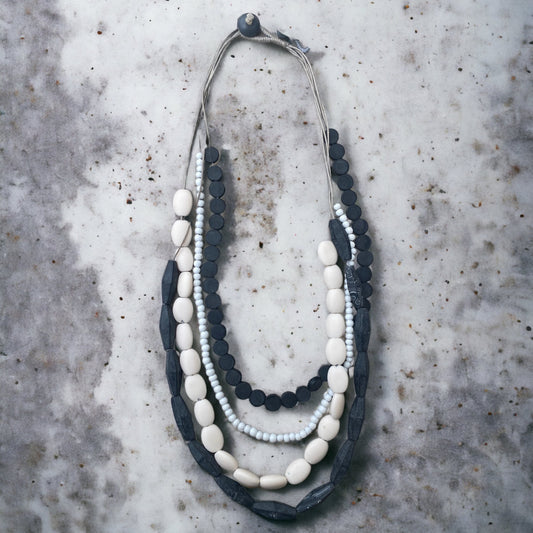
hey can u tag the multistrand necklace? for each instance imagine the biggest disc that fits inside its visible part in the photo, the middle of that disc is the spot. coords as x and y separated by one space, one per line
190 290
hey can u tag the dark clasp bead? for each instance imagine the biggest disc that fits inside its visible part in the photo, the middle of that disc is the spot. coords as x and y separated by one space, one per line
248 24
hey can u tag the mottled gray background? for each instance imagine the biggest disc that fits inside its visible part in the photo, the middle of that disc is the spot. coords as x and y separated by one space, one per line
433 102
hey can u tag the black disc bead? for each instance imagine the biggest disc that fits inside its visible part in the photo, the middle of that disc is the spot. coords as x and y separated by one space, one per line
353 212
209 269
216 222
217 205
289 399
323 372
217 189
272 402
345 182
360 226
348 197
226 362
314 383
243 390
215 316
363 242
364 273
333 136
218 332
211 154
213 236
365 258
221 348
214 173
340 166
210 285
336 151
212 301
211 253
257 397
366 290
233 377
303 394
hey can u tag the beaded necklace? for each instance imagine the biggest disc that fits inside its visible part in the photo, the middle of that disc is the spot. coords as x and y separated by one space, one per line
191 276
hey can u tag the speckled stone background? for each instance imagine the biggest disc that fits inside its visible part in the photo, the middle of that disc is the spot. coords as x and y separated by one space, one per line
433 103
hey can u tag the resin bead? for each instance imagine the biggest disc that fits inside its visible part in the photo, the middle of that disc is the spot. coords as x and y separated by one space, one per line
184 259
182 310
272 481
181 233
212 438
246 478
297 471
335 301
328 428
190 362
327 253
184 337
333 277
185 285
315 451
335 325
336 407
338 379
226 461
182 202
195 387
336 351
204 412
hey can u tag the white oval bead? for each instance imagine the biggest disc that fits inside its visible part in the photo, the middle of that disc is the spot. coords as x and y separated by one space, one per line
181 233
297 471
333 277
327 253
204 412
182 202
226 461
328 428
190 362
336 408
335 351
315 451
184 337
185 259
337 379
246 478
195 387
272 481
212 438
335 301
185 285
335 325
182 309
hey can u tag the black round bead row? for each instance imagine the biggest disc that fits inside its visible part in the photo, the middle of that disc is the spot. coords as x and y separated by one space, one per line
208 271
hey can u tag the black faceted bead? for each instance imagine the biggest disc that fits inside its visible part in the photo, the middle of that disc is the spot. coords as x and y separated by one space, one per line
211 154
233 377
226 362
169 282
366 304
289 399
354 286
353 212
364 274
218 332
315 497
220 347
211 253
210 285
214 173
340 166
336 151
303 394
345 182
167 327
235 491
216 222
243 390
333 136
365 258
204 458
360 374
215 316
361 329
257 397
366 290
274 510
217 205
341 464
173 372
356 418
217 189
213 237
212 301
314 383
323 372
363 242
272 402
209 269
183 418
348 198
360 226
340 239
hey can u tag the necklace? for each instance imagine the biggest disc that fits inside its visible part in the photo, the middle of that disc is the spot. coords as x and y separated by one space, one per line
191 276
